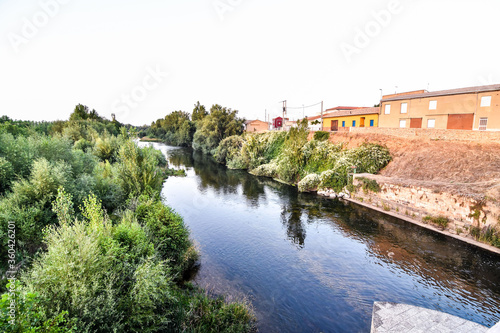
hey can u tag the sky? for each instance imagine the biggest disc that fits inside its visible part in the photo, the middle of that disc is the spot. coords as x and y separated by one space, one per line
141 60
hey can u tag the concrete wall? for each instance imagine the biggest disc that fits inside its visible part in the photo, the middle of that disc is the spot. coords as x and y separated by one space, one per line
451 104
432 134
418 201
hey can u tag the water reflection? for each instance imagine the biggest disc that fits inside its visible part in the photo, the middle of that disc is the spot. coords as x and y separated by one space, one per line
343 257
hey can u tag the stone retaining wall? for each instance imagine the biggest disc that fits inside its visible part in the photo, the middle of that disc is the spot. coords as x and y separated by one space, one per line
418 202
432 134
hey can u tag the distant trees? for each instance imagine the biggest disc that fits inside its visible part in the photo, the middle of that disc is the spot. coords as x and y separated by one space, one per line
204 131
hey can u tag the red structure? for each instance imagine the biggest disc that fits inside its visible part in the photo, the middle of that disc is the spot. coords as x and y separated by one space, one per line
277 122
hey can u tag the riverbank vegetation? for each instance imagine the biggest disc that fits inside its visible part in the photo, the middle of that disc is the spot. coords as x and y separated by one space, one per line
290 157
96 250
286 156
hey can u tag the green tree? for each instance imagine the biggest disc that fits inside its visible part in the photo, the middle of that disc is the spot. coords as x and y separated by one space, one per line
221 123
199 112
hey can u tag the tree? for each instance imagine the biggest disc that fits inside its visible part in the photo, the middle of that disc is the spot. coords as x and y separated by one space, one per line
199 112
221 123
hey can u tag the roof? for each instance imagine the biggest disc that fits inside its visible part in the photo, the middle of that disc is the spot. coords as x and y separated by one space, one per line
251 121
344 108
469 90
355 112
313 118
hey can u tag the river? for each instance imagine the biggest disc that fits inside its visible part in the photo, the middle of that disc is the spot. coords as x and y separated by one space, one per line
311 264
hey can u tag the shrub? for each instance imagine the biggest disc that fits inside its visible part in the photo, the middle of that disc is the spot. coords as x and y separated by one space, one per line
138 169
266 170
6 174
309 183
369 185
321 135
332 179
229 152
441 221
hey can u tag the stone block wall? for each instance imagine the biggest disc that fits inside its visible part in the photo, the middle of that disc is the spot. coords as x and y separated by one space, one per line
432 134
417 202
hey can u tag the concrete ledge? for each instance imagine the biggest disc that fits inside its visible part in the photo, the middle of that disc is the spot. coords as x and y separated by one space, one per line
470 241
392 317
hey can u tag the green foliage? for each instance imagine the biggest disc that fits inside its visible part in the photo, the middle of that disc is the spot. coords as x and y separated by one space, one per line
229 152
208 314
63 207
166 230
487 234
199 112
107 148
369 185
138 168
321 135
441 221
213 128
29 317
309 183
6 174
92 275
291 159
82 112
175 129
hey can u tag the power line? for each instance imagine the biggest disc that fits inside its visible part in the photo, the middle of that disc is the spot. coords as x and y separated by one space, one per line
302 107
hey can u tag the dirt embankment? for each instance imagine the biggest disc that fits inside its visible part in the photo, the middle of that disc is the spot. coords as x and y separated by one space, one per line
470 168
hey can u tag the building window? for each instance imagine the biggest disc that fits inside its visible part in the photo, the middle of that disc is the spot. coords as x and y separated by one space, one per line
387 109
483 122
431 123
372 123
354 123
433 105
343 123
485 101
404 107
402 123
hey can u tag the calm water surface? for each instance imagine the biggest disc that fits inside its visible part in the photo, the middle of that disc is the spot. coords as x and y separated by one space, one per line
309 264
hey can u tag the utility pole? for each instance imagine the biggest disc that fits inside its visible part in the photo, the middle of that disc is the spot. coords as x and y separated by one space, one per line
321 115
284 115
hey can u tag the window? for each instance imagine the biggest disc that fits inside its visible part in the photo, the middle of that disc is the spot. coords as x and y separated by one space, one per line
402 123
404 107
431 123
387 109
433 105
343 123
372 123
354 123
483 122
485 101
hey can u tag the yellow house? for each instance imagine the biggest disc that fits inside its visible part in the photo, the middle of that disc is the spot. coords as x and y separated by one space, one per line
342 118
474 108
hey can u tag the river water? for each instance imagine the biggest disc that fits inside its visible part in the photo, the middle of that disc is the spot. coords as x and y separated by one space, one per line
311 264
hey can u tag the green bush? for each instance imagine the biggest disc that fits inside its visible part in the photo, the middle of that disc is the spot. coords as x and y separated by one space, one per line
309 183
441 221
369 185
6 174
321 135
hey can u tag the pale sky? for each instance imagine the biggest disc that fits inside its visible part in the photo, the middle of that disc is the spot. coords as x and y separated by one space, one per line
144 59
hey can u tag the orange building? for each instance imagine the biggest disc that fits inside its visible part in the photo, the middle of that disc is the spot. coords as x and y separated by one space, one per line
474 108
256 126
